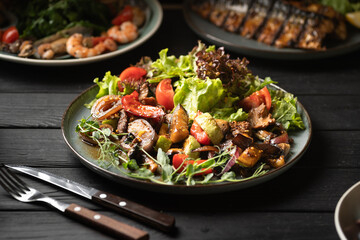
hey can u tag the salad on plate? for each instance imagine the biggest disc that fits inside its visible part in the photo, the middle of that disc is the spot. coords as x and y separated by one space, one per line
195 119
62 29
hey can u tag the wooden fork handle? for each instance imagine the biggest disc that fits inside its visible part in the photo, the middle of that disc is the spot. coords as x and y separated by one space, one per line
105 224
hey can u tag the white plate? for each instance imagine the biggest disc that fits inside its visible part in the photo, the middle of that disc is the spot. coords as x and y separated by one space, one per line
154 15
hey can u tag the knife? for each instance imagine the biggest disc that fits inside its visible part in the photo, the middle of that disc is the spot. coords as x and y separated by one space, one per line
137 211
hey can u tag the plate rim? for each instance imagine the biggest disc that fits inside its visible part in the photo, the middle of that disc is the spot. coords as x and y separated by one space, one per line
337 210
155 8
277 53
184 189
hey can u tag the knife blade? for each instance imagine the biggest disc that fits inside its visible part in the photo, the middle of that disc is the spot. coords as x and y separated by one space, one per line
137 211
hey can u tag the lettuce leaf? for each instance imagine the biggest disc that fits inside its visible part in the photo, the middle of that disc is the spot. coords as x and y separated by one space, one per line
284 110
207 96
196 94
107 86
228 111
229 114
41 18
252 84
171 67
342 6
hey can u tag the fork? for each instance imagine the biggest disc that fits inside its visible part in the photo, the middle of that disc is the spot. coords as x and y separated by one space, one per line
22 192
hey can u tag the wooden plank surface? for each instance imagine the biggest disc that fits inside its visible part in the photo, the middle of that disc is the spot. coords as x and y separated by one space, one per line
209 225
298 204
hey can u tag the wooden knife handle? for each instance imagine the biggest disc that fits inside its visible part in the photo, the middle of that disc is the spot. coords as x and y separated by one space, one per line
146 215
105 224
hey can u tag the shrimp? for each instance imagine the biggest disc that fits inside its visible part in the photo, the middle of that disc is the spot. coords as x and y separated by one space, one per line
49 50
126 32
110 45
45 51
76 49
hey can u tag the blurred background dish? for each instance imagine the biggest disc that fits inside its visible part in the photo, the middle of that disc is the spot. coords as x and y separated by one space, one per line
347 214
216 33
153 18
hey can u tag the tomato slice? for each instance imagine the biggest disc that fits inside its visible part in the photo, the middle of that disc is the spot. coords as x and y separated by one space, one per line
131 75
266 95
10 35
126 14
165 94
199 134
256 99
178 160
132 105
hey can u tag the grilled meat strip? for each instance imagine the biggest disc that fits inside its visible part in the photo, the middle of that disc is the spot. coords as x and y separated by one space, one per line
256 17
280 23
274 24
292 29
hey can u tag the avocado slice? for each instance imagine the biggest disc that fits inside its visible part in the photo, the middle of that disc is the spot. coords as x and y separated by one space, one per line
190 144
163 142
210 126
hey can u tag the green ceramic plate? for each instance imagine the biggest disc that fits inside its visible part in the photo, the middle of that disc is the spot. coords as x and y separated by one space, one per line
236 43
154 16
87 154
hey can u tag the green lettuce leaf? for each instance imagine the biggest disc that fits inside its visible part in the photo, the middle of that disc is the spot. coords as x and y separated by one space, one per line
229 114
41 18
171 67
226 110
284 110
342 6
196 94
252 84
207 96
107 86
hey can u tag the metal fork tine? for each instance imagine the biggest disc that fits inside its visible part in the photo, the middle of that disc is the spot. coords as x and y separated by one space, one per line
11 181
17 181
5 184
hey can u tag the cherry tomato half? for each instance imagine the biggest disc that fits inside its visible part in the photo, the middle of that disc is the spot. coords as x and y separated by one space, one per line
126 14
10 35
178 160
165 94
256 99
130 75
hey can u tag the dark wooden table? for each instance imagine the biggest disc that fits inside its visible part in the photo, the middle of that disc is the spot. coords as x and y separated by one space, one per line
298 204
